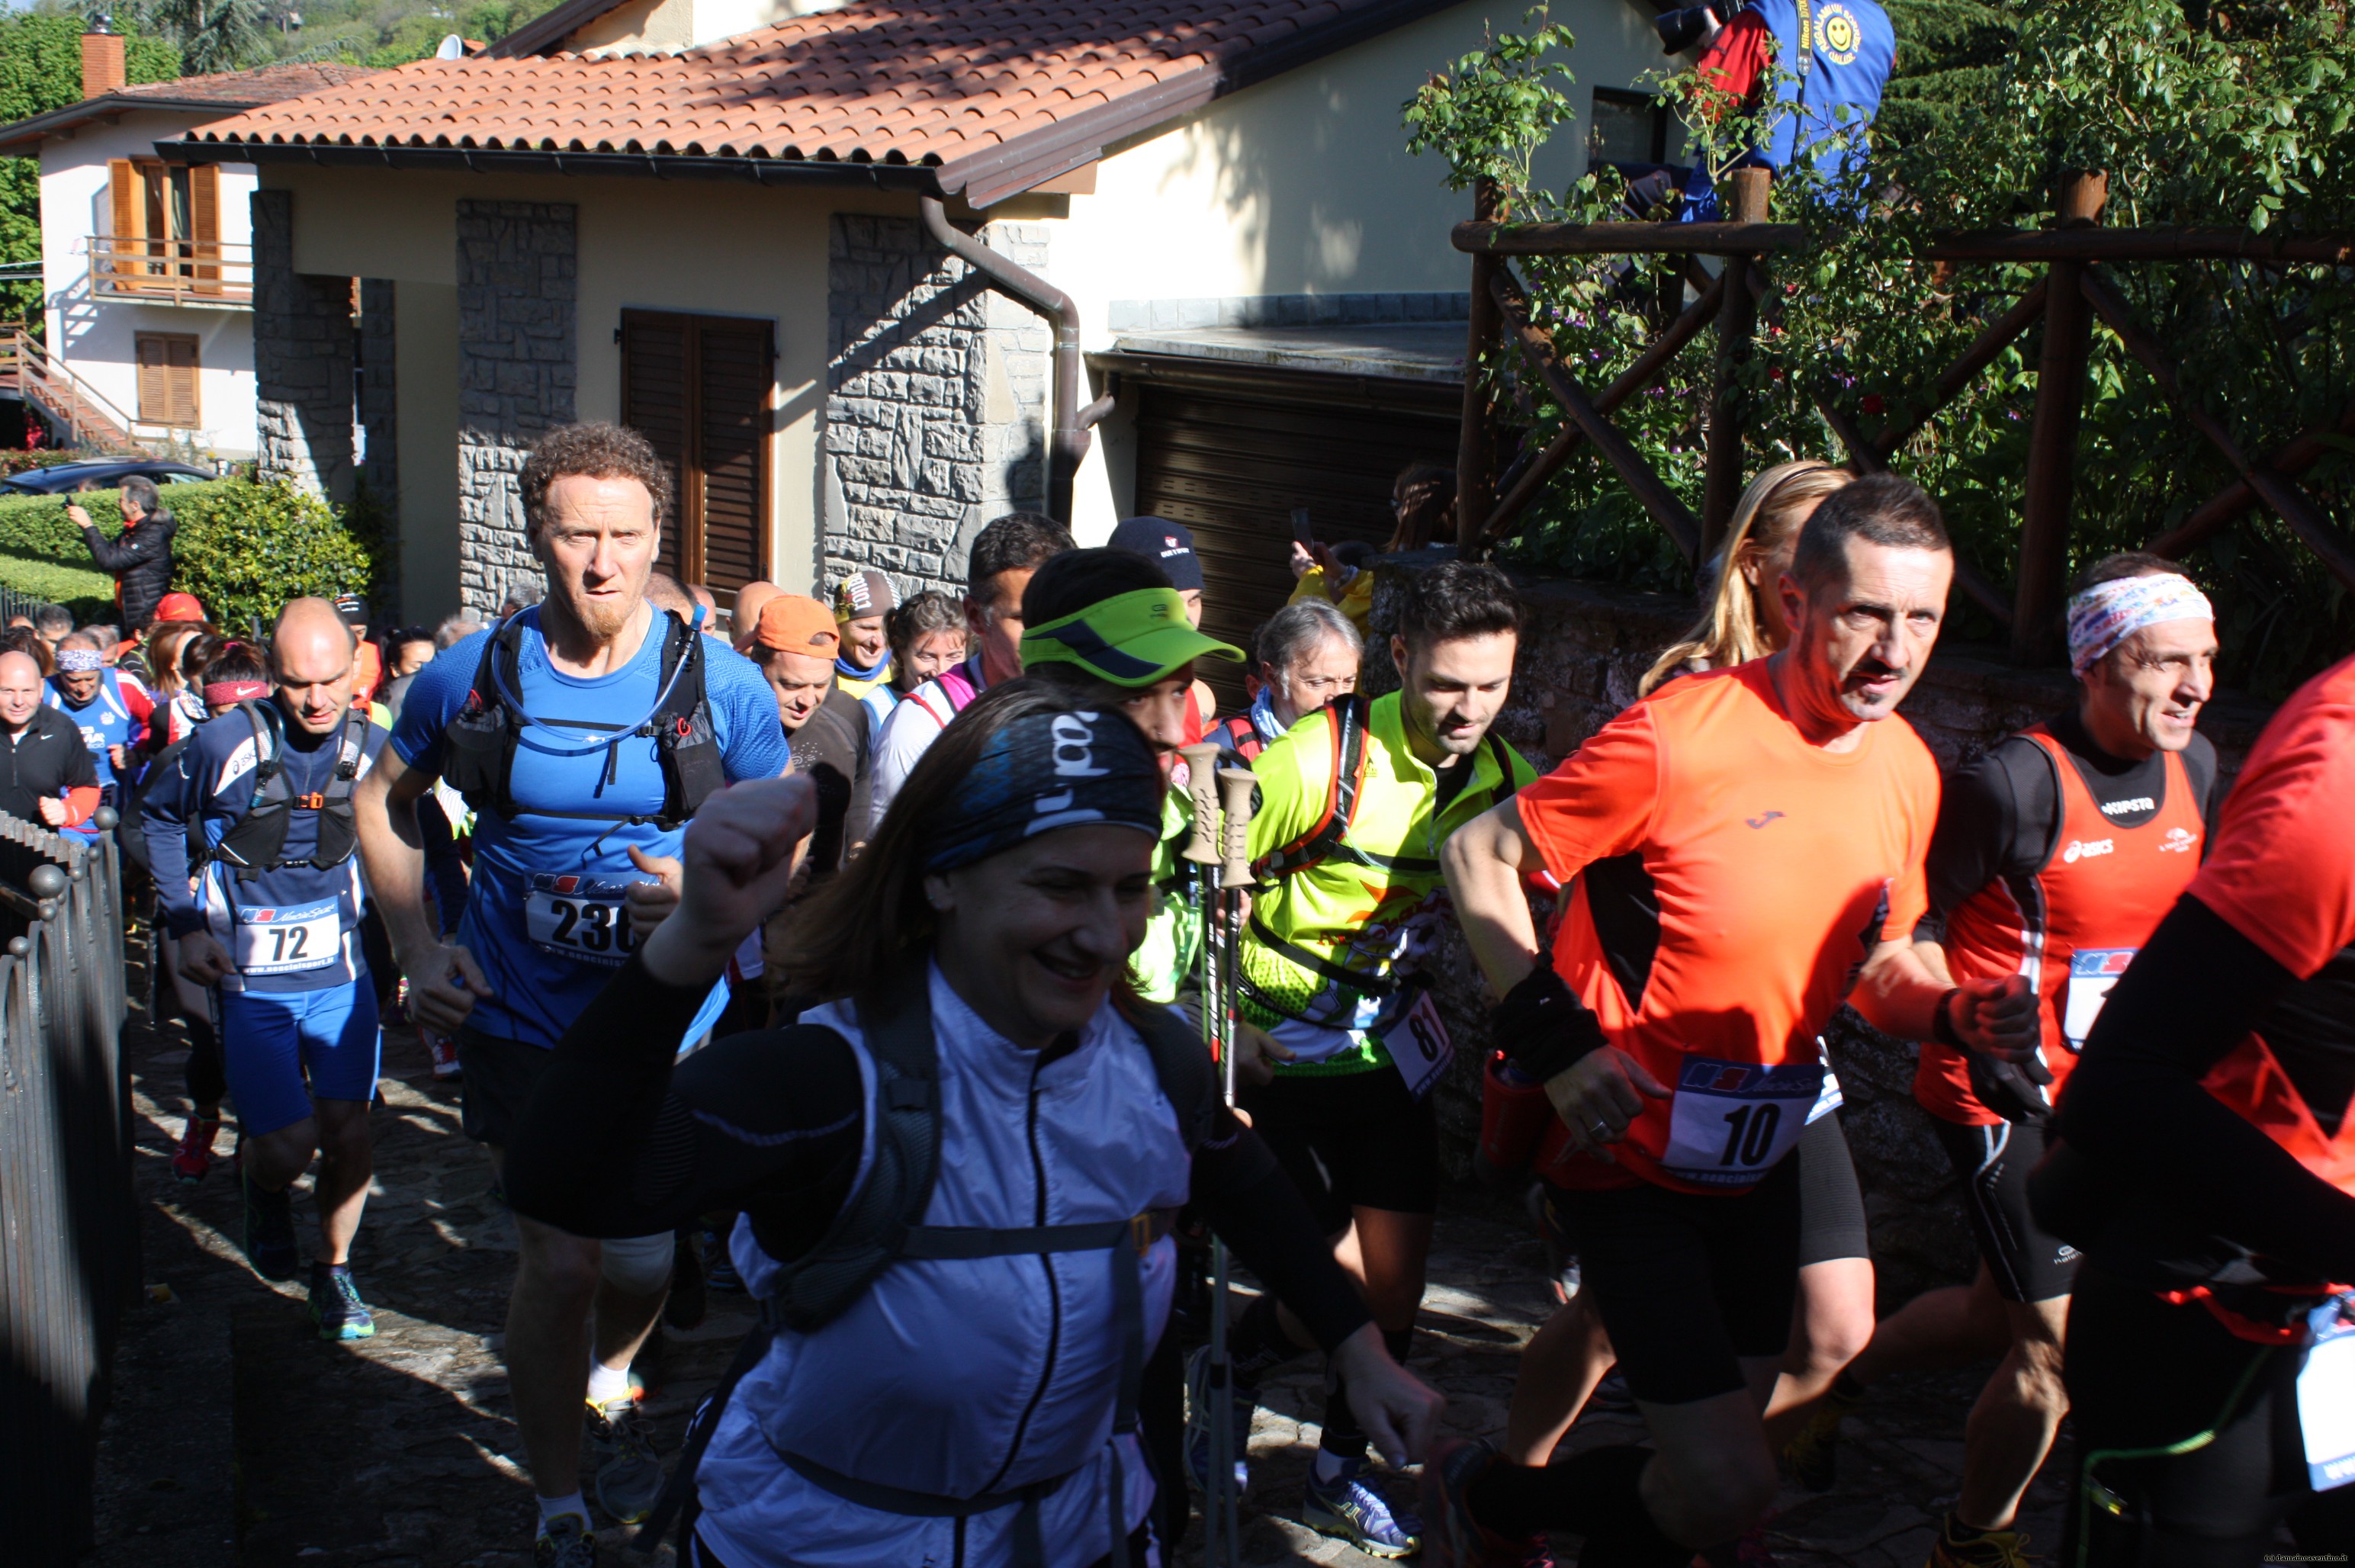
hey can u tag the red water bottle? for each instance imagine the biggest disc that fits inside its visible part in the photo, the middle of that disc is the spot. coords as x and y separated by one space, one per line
1513 1112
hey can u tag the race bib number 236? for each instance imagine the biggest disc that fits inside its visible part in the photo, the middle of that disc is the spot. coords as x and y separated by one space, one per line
581 918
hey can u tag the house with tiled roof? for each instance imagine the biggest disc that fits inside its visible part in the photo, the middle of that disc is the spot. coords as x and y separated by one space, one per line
146 267
871 275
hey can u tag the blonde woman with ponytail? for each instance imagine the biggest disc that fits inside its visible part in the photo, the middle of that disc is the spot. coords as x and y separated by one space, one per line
1744 620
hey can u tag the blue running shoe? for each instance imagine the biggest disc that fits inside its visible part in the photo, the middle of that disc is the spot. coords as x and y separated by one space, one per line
335 1303
1198 1416
1351 1508
268 1230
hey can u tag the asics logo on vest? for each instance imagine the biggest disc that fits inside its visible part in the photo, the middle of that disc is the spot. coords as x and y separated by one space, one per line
2086 849
2120 807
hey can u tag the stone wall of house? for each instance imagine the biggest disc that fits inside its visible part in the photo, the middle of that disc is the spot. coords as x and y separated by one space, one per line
936 399
302 361
379 428
1583 651
518 369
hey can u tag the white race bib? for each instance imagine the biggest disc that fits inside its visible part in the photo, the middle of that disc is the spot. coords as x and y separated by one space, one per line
273 941
2092 972
2326 1395
581 918
1732 1121
1417 1042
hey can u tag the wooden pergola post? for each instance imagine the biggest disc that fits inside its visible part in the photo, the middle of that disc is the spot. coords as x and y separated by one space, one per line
2053 439
1745 195
1475 485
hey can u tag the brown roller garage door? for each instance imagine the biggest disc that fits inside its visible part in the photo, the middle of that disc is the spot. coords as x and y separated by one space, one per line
1231 462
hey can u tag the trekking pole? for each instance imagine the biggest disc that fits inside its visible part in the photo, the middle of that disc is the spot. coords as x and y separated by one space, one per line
1236 789
1202 849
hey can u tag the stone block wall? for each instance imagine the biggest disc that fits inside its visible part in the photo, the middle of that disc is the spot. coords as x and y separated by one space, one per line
1583 652
519 356
378 418
936 400
302 361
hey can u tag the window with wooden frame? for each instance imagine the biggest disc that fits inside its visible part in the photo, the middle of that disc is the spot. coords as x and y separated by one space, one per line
168 368
167 231
702 389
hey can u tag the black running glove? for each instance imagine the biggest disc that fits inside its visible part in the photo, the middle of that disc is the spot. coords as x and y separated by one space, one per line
1543 1027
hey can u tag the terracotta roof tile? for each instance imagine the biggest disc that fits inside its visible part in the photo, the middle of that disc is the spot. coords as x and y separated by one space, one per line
268 84
968 88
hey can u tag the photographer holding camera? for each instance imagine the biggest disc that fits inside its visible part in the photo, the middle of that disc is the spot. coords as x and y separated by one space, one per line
1825 62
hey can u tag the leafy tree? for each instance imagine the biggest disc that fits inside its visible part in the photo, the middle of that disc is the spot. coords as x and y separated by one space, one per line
214 35
40 70
2222 118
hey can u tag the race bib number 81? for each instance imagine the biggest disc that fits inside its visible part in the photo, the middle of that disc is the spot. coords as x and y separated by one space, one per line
580 918
277 941
1732 1121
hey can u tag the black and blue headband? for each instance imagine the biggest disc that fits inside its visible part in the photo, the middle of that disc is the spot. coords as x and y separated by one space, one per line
1046 771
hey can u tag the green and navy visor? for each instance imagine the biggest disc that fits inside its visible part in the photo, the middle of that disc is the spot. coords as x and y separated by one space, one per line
1130 639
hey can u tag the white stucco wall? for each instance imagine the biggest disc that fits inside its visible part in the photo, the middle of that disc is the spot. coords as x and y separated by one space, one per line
1299 184
95 338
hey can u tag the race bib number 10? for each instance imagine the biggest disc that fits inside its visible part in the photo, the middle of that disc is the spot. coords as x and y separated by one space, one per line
280 940
580 918
1732 1121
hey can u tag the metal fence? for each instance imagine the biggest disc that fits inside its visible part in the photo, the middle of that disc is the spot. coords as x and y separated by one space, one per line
69 1223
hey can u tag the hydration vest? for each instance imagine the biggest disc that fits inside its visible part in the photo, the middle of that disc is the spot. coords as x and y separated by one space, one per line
256 842
479 745
882 1222
1836 54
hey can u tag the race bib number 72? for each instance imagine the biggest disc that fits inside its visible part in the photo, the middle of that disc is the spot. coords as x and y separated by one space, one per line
281 941
584 919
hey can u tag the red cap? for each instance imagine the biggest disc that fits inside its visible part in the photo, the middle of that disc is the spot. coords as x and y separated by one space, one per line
180 607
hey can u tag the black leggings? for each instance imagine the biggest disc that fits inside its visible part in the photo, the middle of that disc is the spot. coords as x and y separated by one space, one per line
2145 1375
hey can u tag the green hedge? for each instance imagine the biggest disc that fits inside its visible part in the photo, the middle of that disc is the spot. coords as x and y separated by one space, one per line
244 550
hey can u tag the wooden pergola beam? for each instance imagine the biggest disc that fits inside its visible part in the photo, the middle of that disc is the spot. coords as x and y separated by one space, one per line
1626 239
2289 459
1649 489
1992 341
2304 517
1626 384
2042 245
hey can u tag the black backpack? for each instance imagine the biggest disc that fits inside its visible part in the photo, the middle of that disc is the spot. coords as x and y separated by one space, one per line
478 755
256 842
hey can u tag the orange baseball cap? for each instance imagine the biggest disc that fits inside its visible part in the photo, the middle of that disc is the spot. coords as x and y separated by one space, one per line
796 624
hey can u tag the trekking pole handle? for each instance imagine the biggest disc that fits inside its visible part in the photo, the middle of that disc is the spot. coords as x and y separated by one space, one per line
1202 793
1236 787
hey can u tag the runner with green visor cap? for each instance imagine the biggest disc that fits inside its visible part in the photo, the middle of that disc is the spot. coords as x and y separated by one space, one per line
1135 639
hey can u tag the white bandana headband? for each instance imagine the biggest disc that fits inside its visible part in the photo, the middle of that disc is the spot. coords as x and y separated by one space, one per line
78 659
2107 614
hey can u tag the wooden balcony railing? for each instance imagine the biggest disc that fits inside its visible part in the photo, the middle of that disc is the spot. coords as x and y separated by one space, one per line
208 273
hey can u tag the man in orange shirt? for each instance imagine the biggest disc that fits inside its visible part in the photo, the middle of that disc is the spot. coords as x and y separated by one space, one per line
1748 847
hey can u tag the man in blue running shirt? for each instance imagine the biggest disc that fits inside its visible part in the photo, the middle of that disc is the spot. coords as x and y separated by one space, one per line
272 926
583 730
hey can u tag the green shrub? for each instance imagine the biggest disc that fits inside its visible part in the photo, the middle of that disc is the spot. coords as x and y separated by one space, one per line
90 595
244 550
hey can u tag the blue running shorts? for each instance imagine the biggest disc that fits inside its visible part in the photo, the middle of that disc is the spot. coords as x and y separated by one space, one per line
271 1041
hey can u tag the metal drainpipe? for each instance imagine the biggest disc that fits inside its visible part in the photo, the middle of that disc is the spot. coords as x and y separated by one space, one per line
1068 426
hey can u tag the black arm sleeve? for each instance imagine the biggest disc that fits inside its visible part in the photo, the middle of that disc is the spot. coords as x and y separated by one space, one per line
618 1141
2136 1104
1249 1202
1980 813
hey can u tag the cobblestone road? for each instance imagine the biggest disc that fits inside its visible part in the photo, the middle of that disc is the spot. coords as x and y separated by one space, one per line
236 1437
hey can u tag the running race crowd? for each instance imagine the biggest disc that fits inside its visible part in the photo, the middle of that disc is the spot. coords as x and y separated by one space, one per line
856 964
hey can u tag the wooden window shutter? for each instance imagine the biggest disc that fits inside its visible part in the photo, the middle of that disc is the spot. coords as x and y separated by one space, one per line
204 225
733 421
168 370
699 389
657 402
129 195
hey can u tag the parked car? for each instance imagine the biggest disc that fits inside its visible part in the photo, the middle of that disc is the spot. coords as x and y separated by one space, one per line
101 474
